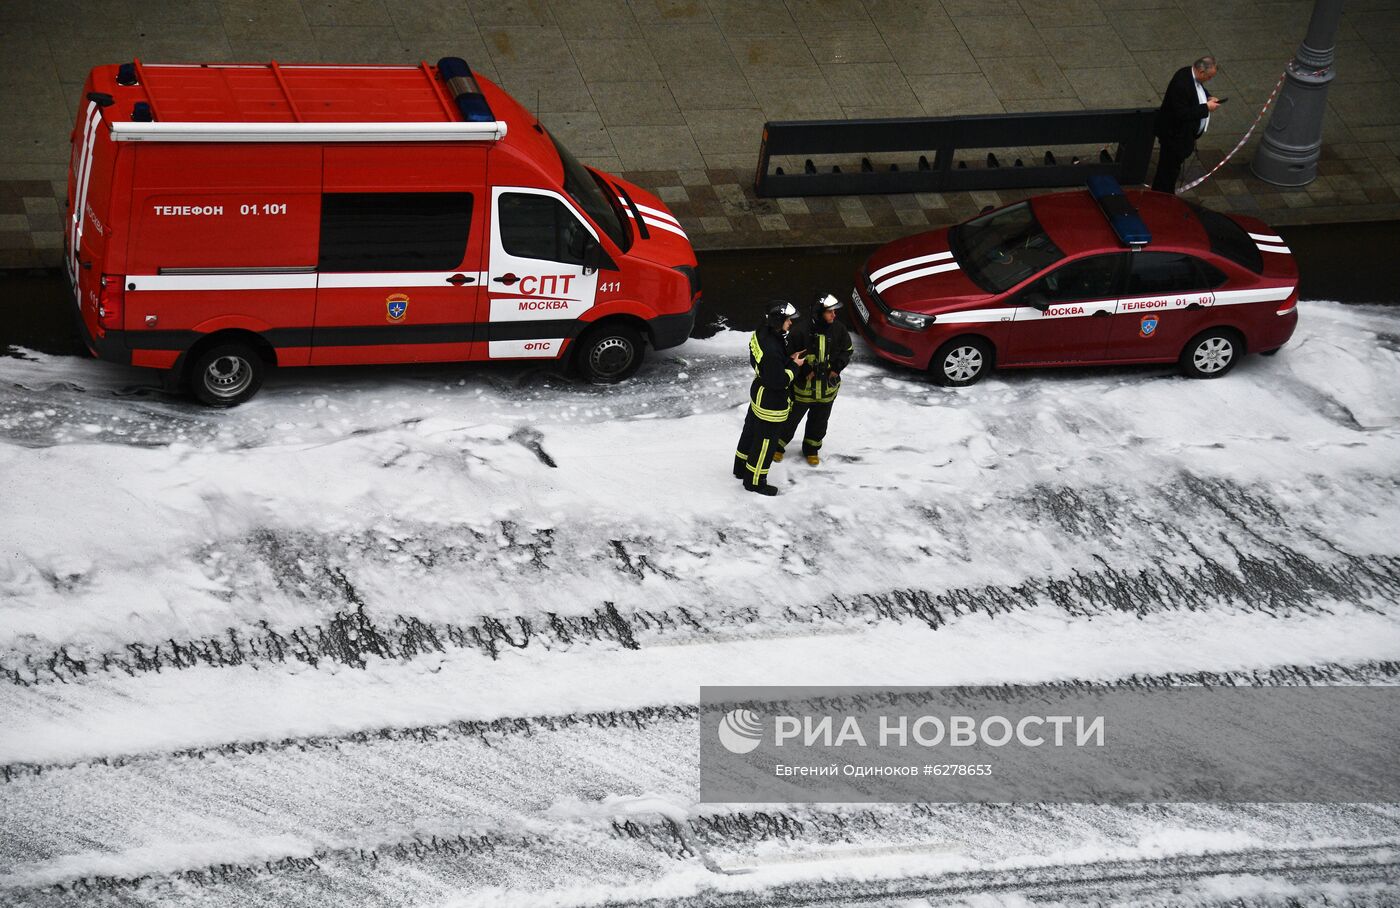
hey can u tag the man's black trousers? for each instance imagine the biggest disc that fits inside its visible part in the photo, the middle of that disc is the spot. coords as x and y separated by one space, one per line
818 415
1169 163
758 443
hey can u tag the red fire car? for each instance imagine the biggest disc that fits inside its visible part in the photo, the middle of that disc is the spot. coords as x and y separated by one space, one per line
226 218
1072 278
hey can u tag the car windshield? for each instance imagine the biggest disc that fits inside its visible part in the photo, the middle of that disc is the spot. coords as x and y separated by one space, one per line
1003 248
590 193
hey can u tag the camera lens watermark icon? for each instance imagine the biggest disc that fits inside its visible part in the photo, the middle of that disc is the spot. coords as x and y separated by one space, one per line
740 731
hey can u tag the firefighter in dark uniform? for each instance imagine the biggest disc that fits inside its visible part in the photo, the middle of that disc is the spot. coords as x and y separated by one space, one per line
770 397
829 349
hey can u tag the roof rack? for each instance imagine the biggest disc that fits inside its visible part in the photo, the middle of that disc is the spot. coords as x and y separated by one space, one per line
1122 216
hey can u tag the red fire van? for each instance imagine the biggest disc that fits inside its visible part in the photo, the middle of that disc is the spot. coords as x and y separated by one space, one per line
227 218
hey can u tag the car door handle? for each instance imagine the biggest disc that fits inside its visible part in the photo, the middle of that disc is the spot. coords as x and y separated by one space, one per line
506 279
458 280
1101 313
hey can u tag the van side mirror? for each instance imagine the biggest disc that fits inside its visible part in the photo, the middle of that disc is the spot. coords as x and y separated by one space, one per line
592 257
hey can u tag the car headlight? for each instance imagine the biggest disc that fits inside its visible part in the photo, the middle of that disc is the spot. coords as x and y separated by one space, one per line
913 321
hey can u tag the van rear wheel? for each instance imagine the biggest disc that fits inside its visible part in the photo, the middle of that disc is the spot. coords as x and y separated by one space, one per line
610 353
226 375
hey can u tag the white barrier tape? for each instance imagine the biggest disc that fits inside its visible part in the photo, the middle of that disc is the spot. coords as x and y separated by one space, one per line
1247 133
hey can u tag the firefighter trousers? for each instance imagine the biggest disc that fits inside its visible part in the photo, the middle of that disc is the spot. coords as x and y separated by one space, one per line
757 445
818 415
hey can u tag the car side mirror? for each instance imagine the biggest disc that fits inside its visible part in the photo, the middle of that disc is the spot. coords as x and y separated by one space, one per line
1036 300
592 257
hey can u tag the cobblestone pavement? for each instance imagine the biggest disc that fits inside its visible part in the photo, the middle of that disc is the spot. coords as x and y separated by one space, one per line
674 93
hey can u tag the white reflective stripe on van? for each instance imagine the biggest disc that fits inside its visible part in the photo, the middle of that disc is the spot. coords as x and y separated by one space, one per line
909 263
397 278
298 280
653 219
1266 238
303 280
308 132
656 214
662 225
81 177
1263 247
914 275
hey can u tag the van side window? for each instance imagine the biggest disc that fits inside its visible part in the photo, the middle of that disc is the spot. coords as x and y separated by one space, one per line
541 227
1170 272
394 231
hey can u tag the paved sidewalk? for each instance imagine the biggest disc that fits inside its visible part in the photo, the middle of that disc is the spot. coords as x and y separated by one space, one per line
674 93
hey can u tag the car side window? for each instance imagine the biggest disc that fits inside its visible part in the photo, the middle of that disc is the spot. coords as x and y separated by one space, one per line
1158 273
541 227
1095 277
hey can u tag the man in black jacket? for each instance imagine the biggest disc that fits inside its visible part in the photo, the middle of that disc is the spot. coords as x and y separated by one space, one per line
770 398
1182 119
829 349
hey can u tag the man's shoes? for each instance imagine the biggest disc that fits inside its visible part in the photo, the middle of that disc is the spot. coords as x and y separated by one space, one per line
813 459
777 456
770 491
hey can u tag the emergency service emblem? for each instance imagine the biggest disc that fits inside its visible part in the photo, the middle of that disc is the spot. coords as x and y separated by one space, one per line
1149 325
397 306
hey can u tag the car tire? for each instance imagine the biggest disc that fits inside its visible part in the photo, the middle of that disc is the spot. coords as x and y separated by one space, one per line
609 354
961 362
226 375
1211 354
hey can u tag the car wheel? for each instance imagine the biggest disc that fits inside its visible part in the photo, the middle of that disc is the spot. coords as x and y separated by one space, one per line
1211 354
226 375
610 353
961 362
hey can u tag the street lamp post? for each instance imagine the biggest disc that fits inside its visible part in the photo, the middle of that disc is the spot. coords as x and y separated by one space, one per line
1288 154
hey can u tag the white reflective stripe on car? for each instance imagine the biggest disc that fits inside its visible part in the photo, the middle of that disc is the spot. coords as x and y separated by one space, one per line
1130 305
1266 238
1264 248
917 273
1253 295
909 263
974 316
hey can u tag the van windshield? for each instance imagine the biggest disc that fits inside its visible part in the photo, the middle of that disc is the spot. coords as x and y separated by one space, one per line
1003 248
591 194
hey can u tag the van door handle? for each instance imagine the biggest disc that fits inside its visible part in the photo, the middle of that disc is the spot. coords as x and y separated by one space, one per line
506 279
1101 313
458 280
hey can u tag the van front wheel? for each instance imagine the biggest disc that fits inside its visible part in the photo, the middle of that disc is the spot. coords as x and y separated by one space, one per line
226 375
609 354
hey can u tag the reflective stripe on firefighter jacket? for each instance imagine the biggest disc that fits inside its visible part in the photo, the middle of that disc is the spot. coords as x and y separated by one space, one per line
773 375
829 349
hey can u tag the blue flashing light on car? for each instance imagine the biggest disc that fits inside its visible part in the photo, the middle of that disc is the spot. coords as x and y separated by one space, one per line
1122 216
